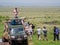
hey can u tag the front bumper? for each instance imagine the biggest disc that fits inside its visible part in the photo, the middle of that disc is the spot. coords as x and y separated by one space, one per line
19 40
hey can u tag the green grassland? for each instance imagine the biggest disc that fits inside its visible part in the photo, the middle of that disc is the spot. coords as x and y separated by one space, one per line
39 16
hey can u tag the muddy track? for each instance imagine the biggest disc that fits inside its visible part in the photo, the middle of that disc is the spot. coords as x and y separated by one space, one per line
30 42
4 43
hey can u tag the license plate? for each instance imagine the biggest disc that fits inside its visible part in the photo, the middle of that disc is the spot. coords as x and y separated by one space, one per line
19 39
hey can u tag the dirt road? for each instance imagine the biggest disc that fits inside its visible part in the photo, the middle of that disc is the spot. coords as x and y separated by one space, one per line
6 43
30 42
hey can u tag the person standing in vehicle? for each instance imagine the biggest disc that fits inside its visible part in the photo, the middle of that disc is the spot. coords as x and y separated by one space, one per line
56 33
15 11
45 33
39 33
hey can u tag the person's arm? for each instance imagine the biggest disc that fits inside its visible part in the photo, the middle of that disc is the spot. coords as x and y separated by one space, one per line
14 11
58 30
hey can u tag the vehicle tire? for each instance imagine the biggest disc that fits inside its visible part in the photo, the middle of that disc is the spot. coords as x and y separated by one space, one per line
25 42
4 40
13 43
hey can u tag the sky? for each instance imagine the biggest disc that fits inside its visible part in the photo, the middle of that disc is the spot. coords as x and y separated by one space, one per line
30 2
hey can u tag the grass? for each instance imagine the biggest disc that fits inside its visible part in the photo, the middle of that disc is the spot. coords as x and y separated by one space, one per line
48 17
41 42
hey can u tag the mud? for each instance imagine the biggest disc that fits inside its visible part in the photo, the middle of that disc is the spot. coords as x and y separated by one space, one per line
4 43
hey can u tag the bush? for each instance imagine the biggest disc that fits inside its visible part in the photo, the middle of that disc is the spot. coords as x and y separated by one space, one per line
2 18
53 22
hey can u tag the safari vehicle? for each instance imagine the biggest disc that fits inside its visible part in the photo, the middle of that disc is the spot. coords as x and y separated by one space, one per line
15 34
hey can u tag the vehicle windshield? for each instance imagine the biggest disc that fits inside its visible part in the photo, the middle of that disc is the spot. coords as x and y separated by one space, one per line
16 22
17 31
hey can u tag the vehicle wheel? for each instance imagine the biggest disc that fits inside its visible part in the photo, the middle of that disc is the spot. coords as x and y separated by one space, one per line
4 40
13 43
25 42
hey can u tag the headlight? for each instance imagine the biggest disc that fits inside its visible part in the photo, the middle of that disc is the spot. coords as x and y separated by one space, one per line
12 36
25 35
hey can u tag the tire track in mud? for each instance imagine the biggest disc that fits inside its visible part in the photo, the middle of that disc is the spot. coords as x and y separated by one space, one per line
30 42
6 43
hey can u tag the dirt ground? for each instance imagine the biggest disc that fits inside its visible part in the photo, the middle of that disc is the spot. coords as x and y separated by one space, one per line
6 43
30 42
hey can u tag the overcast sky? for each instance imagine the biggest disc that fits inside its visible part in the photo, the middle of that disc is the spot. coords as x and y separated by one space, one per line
30 2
